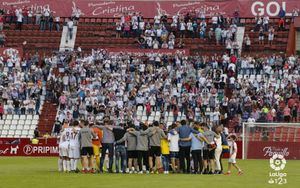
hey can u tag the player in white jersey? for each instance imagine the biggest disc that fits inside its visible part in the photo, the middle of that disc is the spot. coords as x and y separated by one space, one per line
74 149
64 142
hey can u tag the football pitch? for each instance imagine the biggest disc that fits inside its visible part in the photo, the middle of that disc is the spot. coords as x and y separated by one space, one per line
28 172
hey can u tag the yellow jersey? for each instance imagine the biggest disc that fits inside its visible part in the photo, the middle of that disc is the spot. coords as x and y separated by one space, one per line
164 145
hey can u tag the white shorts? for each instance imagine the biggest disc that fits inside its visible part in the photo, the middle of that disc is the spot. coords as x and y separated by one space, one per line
64 149
232 159
74 152
271 37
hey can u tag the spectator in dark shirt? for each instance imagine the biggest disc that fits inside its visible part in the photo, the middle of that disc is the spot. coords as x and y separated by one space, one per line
57 127
1 111
281 13
120 150
184 147
36 133
16 104
2 39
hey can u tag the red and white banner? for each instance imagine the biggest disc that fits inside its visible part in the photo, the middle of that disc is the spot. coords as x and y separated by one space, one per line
142 52
101 8
265 150
49 147
24 147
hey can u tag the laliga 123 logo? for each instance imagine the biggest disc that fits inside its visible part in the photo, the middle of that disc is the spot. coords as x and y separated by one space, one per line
277 163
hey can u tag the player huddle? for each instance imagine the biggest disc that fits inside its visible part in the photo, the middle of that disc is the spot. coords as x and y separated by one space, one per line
180 148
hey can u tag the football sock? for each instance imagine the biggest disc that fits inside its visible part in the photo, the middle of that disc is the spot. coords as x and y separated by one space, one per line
64 165
68 166
75 163
60 165
97 161
72 164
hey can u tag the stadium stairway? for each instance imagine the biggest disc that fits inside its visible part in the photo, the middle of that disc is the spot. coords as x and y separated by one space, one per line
47 118
298 41
67 44
240 37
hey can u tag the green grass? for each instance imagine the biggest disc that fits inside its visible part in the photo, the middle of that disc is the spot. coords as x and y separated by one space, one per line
23 172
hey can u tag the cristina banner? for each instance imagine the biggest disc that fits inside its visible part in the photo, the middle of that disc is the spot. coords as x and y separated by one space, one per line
265 150
100 8
24 147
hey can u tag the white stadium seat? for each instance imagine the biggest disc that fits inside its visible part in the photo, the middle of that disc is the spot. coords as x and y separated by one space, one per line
21 122
34 122
29 117
22 117
25 132
11 132
6 127
28 122
26 127
13 127
14 122
9 116
19 127
35 117
4 132
7 122
16 117
18 132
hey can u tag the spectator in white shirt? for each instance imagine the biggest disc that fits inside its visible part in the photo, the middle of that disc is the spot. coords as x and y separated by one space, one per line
19 20
70 25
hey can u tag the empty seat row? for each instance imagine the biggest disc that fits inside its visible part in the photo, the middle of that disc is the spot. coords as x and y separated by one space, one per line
18 127
16 133
20 117
19 122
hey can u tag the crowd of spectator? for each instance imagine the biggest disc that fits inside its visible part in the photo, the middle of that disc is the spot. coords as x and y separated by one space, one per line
163 31
45 18
266 30
21 83
218 89
201 88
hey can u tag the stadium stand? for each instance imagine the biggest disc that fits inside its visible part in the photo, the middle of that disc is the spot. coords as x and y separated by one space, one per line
100 33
